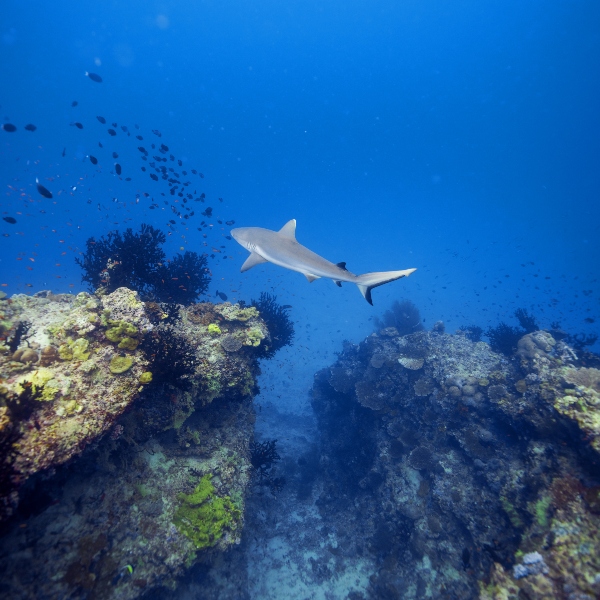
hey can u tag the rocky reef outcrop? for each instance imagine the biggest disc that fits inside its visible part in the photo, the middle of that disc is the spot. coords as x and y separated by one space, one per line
124 440
463 473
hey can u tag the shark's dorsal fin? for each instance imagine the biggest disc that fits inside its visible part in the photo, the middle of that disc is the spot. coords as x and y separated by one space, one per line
341 265
311 277
253 260
289 230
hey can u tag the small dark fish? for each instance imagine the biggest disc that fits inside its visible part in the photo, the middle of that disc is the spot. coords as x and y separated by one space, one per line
127 178
227 237
94 77
102 120
124 128
100 145
232 222
9 127
10 220
42 190
157 132
30 127
139 137
207 212
93 160
74 103
142 150
78 125
222 296
64 151
118 168
589 320
194 172
171 221
179 163
155 177
112 132
287 306
115 155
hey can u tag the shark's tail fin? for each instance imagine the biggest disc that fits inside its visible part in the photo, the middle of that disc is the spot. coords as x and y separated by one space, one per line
368 281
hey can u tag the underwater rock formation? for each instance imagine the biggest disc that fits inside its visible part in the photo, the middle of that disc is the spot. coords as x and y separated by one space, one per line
133 470
455 467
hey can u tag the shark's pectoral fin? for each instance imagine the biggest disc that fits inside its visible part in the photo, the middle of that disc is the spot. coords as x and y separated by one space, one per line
311 277
338 283
253 260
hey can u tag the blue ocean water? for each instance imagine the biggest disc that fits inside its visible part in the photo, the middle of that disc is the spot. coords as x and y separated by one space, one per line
459 138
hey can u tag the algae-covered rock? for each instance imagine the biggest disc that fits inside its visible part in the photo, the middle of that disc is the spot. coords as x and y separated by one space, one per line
181 494
72 398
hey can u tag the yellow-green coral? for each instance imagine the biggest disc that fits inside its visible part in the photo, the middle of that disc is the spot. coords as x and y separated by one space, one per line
74 350
541 510
214 329
254 337
40 383
120 330
120 364
146 377
233 312
203 516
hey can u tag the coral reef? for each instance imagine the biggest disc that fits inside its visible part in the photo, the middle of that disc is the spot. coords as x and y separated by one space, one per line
281 327
128 447
404 316
469 475
137 261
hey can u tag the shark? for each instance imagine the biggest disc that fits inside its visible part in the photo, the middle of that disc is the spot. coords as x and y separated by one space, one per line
281 248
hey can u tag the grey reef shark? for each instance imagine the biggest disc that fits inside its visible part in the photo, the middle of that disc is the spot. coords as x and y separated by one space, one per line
281 248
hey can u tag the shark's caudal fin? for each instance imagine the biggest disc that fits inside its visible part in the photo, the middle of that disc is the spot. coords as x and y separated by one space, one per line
368 281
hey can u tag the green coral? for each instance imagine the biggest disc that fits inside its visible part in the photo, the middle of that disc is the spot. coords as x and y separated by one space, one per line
541 510
512 512
254 337
203 516
233 312
146 377
123 333
65 352
41 384
214 329
74 350
120 364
